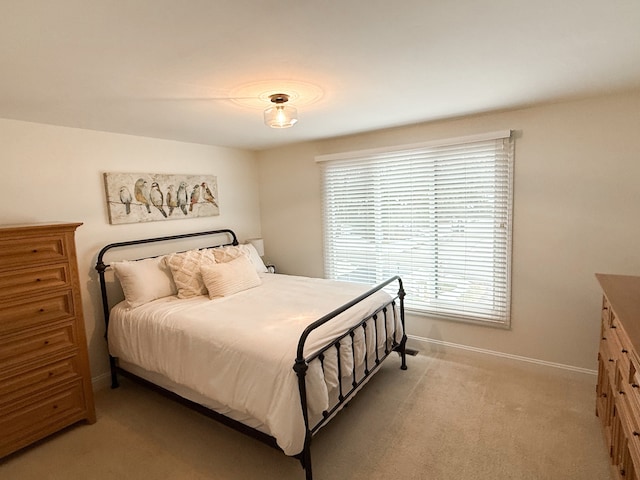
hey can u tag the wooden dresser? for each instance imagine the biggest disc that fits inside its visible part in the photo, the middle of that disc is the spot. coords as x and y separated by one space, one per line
45 383
618 388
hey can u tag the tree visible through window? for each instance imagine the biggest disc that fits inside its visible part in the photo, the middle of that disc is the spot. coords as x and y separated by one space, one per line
437 215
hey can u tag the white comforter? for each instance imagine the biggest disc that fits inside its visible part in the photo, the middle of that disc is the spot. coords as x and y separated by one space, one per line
239 350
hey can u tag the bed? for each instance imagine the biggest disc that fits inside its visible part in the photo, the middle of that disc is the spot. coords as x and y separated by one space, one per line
274 356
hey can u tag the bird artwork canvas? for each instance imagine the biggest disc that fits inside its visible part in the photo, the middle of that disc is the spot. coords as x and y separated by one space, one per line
150 197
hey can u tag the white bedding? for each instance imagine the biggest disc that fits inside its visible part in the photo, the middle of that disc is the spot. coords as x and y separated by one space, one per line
239 350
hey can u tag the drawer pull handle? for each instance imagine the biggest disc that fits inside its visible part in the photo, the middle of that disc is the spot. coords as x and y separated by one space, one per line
636 434
635 385
611 360
613 326
625 351
604 395
622 392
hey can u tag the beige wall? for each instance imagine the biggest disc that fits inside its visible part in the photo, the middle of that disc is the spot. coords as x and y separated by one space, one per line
55 174
576 212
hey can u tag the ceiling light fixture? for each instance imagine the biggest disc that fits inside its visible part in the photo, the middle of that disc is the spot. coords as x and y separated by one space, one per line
280 115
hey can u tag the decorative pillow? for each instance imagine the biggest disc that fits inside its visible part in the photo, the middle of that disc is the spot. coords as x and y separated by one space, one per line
144 280
228 253
231 252
185 268
224 279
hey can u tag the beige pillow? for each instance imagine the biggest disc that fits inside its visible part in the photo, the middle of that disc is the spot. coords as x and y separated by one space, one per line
224 279
230 252
185 268
144 280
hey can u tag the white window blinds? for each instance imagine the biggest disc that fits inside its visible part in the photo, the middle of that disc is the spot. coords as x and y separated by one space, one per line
437 215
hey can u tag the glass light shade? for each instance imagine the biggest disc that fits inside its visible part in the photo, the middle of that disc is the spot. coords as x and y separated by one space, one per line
281 116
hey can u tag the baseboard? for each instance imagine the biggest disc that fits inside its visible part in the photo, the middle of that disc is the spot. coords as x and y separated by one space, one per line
442 343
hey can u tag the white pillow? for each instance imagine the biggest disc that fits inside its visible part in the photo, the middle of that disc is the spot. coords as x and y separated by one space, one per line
144 280
255 258
224 279
185 268
231 252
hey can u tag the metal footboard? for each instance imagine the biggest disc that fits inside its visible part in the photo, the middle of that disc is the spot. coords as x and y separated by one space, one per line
370 364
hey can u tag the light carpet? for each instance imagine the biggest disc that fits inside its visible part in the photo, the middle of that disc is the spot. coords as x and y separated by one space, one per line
449 416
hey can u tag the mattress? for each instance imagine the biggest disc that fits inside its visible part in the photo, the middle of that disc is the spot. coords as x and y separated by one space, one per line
236 353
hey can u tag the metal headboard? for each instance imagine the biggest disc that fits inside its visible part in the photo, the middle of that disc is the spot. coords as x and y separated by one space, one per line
101 267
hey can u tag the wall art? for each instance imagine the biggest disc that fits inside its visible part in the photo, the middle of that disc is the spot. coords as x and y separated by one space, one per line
151 197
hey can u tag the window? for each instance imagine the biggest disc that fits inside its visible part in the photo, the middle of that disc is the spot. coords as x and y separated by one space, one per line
439 215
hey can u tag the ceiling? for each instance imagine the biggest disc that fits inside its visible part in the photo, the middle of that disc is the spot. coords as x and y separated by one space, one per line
167 68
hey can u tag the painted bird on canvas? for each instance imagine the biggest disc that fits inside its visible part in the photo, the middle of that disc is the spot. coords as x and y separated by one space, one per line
208 196
141 192
195 196
183 197
126 198
172 198
157 198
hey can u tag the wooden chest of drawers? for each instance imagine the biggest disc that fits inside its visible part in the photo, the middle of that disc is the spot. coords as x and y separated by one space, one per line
618 388
45 383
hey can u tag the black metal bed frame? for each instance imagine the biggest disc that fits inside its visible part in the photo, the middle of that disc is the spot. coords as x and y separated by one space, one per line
301 362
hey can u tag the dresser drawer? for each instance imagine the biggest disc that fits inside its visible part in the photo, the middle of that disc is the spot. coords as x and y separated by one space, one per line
18 315
608 358
33 280
31 350
623 345
614 335
22 384
36 250
24 423
606 311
